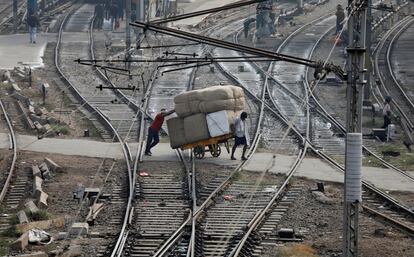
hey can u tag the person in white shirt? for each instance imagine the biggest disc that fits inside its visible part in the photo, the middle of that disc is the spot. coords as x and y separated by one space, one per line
386 112
241 135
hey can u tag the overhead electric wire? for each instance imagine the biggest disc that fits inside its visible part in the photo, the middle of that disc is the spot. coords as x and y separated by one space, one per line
207 11
223 44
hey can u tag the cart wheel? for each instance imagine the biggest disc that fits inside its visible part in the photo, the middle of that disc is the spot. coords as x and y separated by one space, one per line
215 150
199 152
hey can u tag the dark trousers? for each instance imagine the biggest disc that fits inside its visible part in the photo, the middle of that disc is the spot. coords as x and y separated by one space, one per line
387 121
152 140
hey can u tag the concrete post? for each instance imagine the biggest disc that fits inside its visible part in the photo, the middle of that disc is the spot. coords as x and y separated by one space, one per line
357 73
15 16
127 32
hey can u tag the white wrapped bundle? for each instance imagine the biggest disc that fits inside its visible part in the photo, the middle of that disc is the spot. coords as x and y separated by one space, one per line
176 131
219 123
195 127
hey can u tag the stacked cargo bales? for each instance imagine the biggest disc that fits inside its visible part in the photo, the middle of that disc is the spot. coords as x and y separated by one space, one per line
204 113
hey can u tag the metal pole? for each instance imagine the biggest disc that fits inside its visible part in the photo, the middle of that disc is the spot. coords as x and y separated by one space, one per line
356 68
367 91
15 16
128 32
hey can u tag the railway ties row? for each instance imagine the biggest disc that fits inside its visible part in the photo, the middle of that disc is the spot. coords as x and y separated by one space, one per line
226 221
120 113
161 206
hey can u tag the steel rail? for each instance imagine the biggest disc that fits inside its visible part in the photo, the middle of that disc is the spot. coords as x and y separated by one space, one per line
258 219
106 123
390 46
254 223
14 148
366 184
342 128
378 70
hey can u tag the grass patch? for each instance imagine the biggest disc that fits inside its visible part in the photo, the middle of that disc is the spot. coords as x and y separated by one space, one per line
64 129
4 245
297 250
37 216
371 123
14 220
404 161
371 161
11 232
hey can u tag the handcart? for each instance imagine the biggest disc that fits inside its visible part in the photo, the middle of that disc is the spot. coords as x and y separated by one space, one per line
212 144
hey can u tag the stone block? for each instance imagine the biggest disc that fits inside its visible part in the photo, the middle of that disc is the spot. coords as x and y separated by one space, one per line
91 192
37 125
53 165
36 171
62 235
45 170
95 234
21 215
43 224
16 88
79 229
35 254
21 243
42 200
31 206
37 186
31 109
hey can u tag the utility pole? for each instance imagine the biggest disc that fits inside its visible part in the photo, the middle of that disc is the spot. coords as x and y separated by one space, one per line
357 73
128 32
367 90
15 16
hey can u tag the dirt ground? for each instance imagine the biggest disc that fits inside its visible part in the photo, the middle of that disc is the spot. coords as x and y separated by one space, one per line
77 171
321 224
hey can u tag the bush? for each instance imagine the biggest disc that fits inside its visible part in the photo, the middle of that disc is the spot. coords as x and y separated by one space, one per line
297 250
3 247
64 130
14 220
37 216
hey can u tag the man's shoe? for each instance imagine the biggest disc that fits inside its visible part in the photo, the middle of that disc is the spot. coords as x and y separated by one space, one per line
148 154
244 158
34 42
233 158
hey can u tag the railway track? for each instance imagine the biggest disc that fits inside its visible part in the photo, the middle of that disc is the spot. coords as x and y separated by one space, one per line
375 201
389 84
116 119
10 197
379 203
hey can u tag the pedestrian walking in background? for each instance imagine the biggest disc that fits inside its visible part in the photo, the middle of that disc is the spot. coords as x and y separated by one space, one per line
99 16
33 23
386 112
340 17
241 135
113 12
153 131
